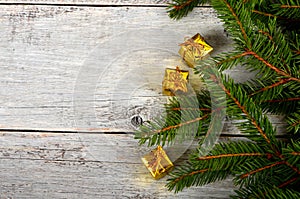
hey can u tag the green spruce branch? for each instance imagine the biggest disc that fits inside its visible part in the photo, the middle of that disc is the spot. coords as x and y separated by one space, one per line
266 41
180 8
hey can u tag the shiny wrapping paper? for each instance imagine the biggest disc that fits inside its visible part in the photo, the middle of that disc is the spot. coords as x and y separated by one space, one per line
175 80
194 49
157 162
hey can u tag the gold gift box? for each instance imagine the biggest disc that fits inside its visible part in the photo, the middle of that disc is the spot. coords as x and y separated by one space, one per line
157 162
194 49
175 80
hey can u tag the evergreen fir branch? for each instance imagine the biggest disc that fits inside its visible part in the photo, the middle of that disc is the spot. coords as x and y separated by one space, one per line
288 182
273 95
246 38
286 12
229 60
246 175
180 124
290 10
161 131
267 42
238 21
292 154
275 84
156 134
290 6
239 100
247 106
283 108
272 67
294 122
180 8
259 170
190 173
257 120
284 100
294 40
264 13
295 168
263 171
234 19
283 154
267 34
228 155
187 176
182 109
222 161
295 153
282 104
262 191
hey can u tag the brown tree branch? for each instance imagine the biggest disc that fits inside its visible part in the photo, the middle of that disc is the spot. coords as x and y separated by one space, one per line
230 155
243 109
282 81
234 57
284 100
261 169
289 6
287 182
296 123
179 7
181 124
195 109
237 20
277 70
189 174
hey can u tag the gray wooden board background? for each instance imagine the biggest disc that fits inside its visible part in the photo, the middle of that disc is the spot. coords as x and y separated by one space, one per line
47 165
89 66
47 52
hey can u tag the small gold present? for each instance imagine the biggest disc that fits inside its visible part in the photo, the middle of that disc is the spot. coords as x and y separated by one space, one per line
194 49
158 163
175 80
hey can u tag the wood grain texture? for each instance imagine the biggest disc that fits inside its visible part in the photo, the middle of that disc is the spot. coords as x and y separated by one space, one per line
112 58
97 3
51 165
90 2
90 68
93 3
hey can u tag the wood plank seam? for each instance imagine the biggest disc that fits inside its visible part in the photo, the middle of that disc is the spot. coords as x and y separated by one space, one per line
38 131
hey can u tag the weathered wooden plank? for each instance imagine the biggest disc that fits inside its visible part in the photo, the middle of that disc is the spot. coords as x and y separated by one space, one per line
70 147
90 68
39 165
89 2
69 68
118 148
156 3
38 179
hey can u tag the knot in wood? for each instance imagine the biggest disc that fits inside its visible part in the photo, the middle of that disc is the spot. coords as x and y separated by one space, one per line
136 120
